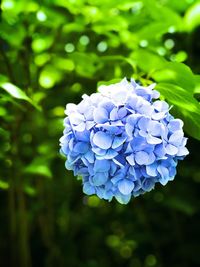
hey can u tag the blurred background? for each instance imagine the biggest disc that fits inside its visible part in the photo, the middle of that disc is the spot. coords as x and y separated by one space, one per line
52 52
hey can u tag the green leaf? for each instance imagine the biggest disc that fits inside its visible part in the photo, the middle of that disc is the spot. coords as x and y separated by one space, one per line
185 106
176 73
147 61
16 92
39 166
192 17
4 185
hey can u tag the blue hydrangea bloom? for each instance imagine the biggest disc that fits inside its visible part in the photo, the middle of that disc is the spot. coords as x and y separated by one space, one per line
122 141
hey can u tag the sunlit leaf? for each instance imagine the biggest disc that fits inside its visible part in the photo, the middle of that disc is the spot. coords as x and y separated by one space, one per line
185 106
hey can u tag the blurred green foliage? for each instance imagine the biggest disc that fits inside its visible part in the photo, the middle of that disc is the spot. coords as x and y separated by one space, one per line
53 51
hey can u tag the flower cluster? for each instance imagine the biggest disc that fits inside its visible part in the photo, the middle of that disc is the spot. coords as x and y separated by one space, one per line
122 140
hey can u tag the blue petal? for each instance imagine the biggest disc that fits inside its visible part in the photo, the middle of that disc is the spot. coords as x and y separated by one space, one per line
118 141
151 170
89 124
100 115
154 128
89 156
101 165
148 184
176 138
100 178
164 174
143 123
81 147
122 112
111 153
160 150
182 151
142 158
153 140
88 189
76 118
114 114
80 127
102 140
171 150
131 159
125 186
122 199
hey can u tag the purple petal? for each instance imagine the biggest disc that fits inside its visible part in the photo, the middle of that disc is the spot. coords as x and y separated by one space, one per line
102 140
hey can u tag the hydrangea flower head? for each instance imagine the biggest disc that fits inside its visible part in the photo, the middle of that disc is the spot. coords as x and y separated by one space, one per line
122 141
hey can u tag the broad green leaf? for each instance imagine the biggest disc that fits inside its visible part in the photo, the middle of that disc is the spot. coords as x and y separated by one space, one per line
147 61
39 166
175 73
16 92
197 86
192 17
185 106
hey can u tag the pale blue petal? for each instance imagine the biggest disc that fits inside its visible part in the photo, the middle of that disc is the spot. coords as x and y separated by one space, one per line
114 114
153 140
154 128
89 156
110 154
122 112
102 140
143 124
171 150
182 151
176 138
100 115
122 199
118 141
175 125
80 127
131 159
89 124
151 170
141 158
164 172
76 118
125 186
